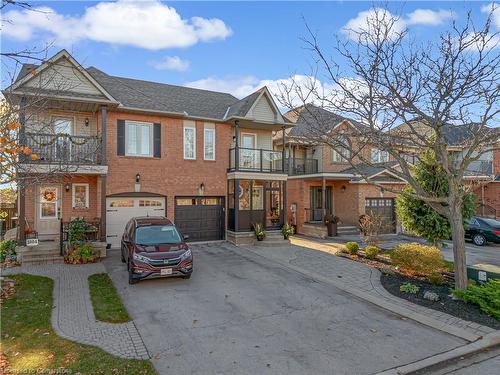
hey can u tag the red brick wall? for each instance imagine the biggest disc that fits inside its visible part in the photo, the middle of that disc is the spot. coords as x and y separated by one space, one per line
169 175
67 212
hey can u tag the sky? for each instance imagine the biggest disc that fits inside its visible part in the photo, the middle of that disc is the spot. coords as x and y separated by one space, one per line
233 47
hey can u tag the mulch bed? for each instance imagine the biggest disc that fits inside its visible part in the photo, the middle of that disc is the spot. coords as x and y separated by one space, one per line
445 304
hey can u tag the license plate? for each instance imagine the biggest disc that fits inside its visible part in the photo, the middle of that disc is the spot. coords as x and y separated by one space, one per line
165 271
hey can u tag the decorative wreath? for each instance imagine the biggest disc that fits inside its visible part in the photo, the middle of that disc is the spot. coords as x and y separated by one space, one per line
48 196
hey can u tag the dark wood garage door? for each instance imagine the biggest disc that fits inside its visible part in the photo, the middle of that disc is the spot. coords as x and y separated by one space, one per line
382 209
201 218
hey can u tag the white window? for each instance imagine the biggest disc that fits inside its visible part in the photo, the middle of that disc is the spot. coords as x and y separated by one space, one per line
341 152
49 197
379 156
209 144
190 142
138 138
80 195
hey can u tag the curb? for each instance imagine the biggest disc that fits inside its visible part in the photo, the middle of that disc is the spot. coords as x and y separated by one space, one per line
427 364
394 308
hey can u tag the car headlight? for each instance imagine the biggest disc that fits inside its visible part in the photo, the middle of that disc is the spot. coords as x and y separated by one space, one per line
186 255
141 258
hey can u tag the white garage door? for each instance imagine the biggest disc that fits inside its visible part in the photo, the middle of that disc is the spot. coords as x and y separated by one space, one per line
120 210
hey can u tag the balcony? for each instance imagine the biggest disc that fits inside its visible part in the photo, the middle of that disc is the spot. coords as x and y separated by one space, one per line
255 160
298 166
65 149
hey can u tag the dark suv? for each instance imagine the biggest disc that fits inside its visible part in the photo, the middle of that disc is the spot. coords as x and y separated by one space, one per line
153 247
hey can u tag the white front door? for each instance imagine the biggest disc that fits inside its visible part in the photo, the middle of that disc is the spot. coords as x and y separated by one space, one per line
121 209
249 156
48 208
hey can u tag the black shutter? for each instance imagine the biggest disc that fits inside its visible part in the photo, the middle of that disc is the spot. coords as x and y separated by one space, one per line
121 137
157 141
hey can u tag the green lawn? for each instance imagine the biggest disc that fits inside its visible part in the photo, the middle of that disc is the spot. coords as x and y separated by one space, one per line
30 344
108 306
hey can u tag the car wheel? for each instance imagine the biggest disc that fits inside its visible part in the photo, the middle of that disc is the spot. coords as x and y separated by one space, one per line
479 240
187 277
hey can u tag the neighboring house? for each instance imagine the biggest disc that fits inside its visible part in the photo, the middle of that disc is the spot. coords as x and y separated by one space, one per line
110 148
321 181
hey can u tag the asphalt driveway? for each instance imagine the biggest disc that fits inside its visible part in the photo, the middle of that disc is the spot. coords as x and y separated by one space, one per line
244 314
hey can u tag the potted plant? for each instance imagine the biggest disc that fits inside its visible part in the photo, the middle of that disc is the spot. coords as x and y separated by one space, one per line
331 222
259 231
287 231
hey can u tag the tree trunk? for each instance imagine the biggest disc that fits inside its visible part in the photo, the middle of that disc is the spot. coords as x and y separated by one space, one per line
458 234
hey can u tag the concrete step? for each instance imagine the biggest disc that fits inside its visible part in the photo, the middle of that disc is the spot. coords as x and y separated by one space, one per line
43 260
347 229
272 243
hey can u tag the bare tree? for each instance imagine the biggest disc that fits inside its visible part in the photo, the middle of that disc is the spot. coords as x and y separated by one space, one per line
445 93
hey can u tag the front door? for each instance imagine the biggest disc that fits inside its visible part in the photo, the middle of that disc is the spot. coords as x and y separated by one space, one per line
273 207
317 213
249 155
63 129
48 209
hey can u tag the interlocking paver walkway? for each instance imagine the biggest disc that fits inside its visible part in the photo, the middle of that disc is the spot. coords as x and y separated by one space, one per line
73 315
363 281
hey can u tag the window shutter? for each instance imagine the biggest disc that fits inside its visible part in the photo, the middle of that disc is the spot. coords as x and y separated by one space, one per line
121 137
157 141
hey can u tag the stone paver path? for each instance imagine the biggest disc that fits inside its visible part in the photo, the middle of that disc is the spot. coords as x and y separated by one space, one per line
73 315
364 281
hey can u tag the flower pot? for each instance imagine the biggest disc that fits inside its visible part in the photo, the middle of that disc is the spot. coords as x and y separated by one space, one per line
332 229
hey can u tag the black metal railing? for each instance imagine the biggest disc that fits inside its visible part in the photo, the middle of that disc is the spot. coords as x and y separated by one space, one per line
255 160
486 210
301 166
63 148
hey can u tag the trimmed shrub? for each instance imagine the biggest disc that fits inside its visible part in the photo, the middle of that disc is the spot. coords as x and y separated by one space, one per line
371 252
436 278
417 259
409 288
352 247
486 296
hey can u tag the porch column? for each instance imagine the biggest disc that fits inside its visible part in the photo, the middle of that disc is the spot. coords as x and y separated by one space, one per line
323 195
283 134
104 119
236 203
20 178
103 208
285 207
237 146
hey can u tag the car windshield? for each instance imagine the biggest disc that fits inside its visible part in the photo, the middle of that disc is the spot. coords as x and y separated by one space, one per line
491 222
157 234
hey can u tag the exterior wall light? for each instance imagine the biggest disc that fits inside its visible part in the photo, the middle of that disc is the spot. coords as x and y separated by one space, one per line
137 178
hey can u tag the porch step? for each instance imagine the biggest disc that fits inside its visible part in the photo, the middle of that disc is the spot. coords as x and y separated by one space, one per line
347 230
273 239
39 260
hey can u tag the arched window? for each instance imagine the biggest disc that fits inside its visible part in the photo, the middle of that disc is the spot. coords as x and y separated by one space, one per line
341 152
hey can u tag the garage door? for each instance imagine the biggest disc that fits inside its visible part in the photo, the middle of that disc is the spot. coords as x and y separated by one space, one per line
382 210
201 218
121 209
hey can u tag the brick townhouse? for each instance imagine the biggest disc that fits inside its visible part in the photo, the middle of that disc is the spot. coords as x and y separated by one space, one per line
322 182
109 148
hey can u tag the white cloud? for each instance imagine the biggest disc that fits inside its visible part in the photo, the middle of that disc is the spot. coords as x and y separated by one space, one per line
496 13
151 25
240 86
366 20
428 17
171 63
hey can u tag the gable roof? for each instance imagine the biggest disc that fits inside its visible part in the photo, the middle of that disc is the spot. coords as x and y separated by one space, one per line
154 96
241 107
308 116
24 78
370 170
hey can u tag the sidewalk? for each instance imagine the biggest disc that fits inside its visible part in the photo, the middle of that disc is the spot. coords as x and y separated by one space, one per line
315 258
73 314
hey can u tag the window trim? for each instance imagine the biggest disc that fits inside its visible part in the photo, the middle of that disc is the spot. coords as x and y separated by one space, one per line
211 129
151 139
254 135
192 127
56 202
73 191
379 155
71 119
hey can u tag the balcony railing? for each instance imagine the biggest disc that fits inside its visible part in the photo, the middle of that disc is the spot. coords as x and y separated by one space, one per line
255 160
62 148
298 166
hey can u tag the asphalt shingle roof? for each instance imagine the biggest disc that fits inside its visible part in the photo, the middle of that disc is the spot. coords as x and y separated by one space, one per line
241 107
309 117
369 169
155 96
